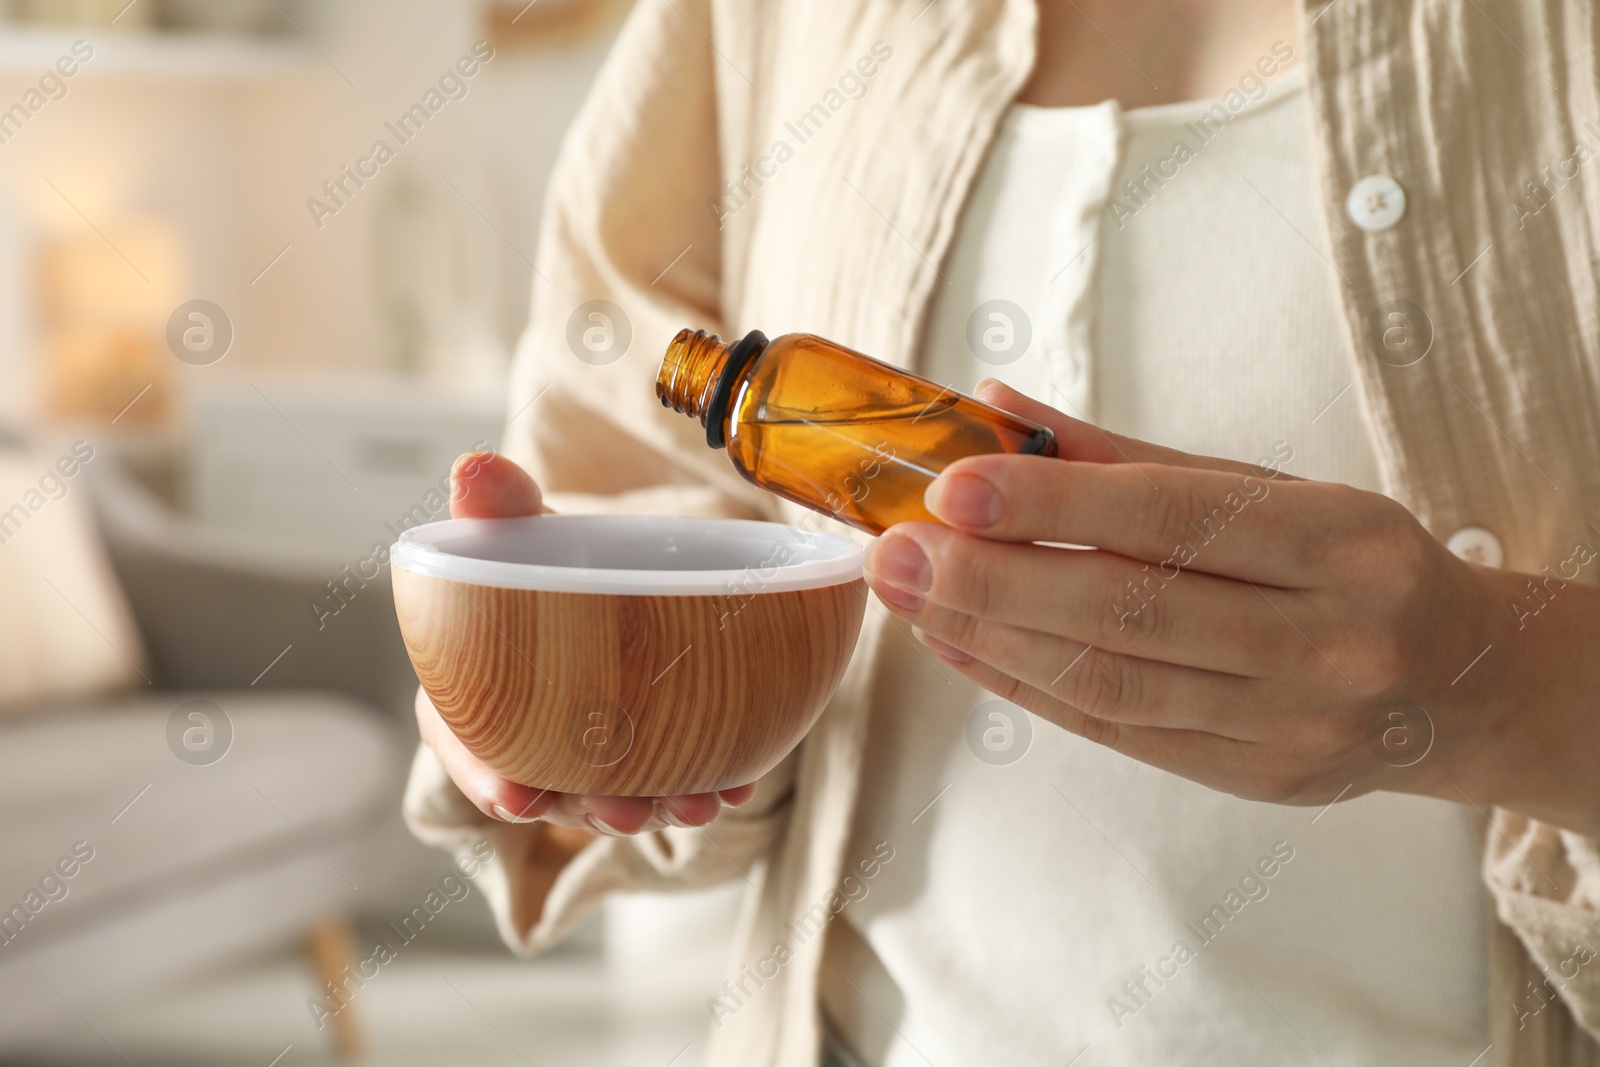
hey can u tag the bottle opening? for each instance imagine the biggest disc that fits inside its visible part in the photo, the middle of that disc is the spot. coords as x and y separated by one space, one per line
689 372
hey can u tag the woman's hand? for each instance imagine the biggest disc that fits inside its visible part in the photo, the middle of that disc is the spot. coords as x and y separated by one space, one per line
486 485
1275 638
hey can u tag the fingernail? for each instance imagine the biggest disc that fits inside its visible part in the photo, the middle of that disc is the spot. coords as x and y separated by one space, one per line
504 815
965 500
600 826
665 813
901 562
463 470
949 652
467 459
984 383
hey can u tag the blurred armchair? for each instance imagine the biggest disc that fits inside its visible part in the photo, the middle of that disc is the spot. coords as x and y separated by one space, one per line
215 609
192 839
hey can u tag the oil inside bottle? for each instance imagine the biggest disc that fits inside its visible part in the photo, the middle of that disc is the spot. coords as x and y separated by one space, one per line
860 437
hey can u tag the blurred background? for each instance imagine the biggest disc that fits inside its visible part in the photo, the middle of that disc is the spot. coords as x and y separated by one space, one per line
262 264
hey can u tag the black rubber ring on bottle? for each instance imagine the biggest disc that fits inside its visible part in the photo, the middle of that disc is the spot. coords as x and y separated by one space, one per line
747 348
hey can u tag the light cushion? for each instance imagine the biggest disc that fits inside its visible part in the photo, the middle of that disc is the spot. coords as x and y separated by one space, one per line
302 770
173 865
65 628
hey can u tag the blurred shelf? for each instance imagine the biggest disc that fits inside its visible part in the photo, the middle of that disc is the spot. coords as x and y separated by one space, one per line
27 51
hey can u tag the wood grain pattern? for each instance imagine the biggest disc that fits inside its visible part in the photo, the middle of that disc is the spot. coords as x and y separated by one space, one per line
627 695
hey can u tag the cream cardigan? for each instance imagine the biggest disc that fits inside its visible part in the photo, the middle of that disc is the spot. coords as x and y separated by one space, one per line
801 164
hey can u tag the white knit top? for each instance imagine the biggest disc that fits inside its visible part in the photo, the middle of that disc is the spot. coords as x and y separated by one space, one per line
1163 273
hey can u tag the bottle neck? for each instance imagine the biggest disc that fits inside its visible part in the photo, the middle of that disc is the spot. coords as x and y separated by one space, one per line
699 375
689 372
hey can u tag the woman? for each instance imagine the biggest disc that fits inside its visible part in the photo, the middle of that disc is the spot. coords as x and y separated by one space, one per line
1331 277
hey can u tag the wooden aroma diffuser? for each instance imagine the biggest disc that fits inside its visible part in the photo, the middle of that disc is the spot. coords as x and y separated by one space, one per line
628 655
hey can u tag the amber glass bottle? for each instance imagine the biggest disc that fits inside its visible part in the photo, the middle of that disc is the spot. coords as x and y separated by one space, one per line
831 429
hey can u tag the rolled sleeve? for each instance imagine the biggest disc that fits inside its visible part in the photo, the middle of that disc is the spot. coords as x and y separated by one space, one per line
1546 886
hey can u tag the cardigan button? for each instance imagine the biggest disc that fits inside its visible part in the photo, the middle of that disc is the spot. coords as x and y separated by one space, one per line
1375 203
1476 545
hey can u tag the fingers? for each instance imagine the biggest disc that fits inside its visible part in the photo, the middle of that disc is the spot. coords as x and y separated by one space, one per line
508 802
621 816
624 816
486 485
1238 525
1084 441
494 796
739 795
1096 598
1106 685
1248 769
1198 756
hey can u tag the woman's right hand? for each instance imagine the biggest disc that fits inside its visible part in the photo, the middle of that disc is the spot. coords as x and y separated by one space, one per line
486 485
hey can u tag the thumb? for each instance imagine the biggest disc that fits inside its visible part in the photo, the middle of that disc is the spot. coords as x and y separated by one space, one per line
485 485
1088 443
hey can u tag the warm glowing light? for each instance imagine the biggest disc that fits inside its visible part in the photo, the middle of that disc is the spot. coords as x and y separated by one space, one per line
106 297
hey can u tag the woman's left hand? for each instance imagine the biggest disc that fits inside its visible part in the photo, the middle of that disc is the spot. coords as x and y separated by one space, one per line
1271 637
